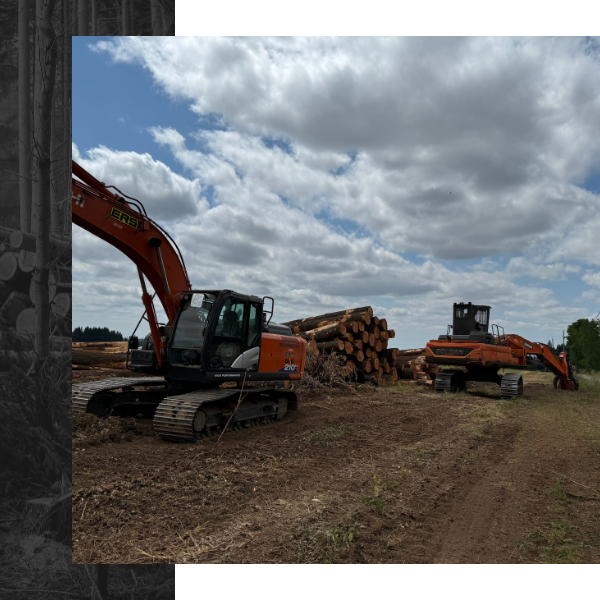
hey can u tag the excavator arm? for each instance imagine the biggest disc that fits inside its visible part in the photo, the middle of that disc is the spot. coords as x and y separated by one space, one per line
125 226
564 378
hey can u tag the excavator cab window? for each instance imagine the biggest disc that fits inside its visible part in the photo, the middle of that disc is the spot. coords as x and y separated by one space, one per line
188 339
228 341
192 322
481 317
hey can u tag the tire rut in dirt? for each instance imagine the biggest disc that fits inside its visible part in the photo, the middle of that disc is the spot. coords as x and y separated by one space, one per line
456 526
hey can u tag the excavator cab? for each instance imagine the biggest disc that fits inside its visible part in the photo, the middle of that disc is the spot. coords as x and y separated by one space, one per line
470 322
214 331
217 337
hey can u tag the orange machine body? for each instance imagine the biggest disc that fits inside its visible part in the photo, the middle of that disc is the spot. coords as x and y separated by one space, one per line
509 351
282 354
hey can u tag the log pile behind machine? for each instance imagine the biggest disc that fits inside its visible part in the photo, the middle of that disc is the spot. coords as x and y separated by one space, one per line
411 364
356 334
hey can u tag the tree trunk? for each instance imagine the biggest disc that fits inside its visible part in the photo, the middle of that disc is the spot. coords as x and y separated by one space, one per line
55 144
335 316
308 324
66 91
163 21
103 581
391 354
24 118
323 334
82 11
359 355
94 18
125 17
155 17
352 326
44 90
365 366
339 346
37 9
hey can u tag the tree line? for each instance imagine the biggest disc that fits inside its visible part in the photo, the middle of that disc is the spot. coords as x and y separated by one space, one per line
96 334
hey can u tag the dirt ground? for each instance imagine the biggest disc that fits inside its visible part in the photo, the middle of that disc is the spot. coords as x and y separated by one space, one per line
393 474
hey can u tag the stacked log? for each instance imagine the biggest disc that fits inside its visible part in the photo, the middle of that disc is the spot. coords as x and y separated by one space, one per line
354 333
412 364
17 306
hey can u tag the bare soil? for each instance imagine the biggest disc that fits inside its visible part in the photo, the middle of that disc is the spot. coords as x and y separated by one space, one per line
394 474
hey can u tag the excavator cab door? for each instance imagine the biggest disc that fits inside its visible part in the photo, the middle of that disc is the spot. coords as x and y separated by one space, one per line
217 335
234 344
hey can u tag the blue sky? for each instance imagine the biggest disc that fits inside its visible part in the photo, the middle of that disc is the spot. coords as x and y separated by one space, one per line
282 172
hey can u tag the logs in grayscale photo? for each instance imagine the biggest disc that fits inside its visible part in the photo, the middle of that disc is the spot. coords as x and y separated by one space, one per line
35 297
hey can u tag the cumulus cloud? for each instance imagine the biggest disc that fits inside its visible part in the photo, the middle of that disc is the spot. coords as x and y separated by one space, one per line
519 266
165 194
335 158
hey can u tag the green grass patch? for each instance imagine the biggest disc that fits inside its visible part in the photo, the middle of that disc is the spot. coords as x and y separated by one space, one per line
422 455
553 544
325 542
375 501
468 458
480 435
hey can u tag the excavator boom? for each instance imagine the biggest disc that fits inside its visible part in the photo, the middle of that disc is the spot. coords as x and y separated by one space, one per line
110 217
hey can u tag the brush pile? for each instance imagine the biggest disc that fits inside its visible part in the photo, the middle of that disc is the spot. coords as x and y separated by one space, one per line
356 335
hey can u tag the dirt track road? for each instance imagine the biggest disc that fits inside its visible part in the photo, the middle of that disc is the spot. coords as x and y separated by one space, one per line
396 474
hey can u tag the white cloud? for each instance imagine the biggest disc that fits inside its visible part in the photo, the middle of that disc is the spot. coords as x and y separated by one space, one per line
165 194
449 148
520 266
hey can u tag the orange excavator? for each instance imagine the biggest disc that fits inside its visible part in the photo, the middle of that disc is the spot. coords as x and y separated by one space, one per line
480 355
211 337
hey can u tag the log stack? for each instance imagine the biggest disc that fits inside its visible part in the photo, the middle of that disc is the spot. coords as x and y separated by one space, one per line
17 303
412 364
354 333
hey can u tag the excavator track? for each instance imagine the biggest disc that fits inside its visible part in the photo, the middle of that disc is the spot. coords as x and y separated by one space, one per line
450 381
82 394
511 386
205 413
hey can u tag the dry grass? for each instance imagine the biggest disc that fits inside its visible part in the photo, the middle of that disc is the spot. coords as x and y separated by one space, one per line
324 371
